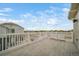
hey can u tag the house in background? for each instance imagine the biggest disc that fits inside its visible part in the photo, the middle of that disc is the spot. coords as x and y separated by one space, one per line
4 30
74 16
13 28
8 28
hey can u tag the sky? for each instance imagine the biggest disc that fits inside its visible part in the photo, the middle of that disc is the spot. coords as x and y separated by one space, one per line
37 16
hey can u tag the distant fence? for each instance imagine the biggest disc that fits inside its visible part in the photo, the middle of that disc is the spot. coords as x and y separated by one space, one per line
15 39
66 36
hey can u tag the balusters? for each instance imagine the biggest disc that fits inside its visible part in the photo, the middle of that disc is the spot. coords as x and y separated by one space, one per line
2 43
14 40
21 39
9 41
6 42
40 36
25 37
29 37
17 40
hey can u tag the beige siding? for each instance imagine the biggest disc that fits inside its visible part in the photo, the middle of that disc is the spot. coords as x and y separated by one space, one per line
3 30
17 28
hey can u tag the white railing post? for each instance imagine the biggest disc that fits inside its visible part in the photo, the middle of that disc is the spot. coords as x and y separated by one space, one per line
56 35
40 36
21 39
25 38
29 37
18 40
9 40
72 36
46 34
14 40
6 42
2 43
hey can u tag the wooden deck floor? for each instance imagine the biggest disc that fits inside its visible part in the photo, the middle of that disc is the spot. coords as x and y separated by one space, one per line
46 47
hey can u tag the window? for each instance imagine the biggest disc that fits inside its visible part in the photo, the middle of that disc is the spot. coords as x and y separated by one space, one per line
13 30
75 20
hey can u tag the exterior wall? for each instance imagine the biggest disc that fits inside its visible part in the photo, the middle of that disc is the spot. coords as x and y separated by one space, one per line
4 30
76 31
17 28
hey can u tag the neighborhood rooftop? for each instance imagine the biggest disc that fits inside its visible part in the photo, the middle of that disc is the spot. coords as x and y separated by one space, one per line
10 23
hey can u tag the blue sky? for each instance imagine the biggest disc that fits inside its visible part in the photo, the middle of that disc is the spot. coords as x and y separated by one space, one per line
38 16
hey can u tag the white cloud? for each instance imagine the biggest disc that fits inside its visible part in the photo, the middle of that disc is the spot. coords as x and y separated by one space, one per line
27 15
47 18
49 11
51 21
43 19
66 9
3 20
30 17
2 14
6 9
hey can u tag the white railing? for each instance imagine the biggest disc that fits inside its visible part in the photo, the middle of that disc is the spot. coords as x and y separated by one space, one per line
65 36
11 40
15 39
